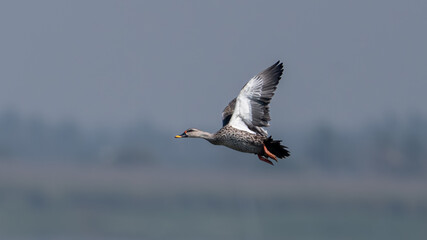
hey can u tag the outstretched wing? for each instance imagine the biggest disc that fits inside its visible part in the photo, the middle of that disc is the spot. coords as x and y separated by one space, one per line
251 111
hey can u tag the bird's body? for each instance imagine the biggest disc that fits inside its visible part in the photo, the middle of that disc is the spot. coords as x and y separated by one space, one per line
244 119
238 140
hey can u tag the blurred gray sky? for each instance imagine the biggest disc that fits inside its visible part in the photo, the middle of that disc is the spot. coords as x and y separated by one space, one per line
178 63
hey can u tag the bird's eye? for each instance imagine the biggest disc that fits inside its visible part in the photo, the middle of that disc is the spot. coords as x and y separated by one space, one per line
190 130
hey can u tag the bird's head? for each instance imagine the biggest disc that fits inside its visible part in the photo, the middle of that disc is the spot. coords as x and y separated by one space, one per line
191 133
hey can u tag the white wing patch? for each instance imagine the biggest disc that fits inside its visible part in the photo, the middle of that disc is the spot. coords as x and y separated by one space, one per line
237 120
242 115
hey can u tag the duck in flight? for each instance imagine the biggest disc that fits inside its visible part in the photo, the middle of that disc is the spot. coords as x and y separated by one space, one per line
244 118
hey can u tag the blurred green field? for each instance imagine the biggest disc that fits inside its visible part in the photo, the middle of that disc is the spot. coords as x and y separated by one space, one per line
48 201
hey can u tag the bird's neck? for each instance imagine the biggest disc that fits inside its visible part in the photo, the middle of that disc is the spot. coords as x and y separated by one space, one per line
208 136
205 135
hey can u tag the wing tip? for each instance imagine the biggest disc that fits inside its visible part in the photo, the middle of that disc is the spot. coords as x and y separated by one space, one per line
278 64
273 74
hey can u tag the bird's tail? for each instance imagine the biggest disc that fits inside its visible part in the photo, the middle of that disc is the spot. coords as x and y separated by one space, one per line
276 148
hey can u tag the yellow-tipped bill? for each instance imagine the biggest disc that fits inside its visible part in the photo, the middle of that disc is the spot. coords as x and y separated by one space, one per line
183 135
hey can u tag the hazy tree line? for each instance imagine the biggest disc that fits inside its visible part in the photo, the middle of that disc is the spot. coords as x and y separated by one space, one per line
391 146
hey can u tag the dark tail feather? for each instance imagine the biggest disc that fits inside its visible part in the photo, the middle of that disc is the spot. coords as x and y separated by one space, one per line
276 148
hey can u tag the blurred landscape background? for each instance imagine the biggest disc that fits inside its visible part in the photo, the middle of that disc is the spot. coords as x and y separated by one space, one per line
93 92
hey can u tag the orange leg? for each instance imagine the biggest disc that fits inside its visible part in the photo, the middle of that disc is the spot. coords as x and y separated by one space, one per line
264 159
270 154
